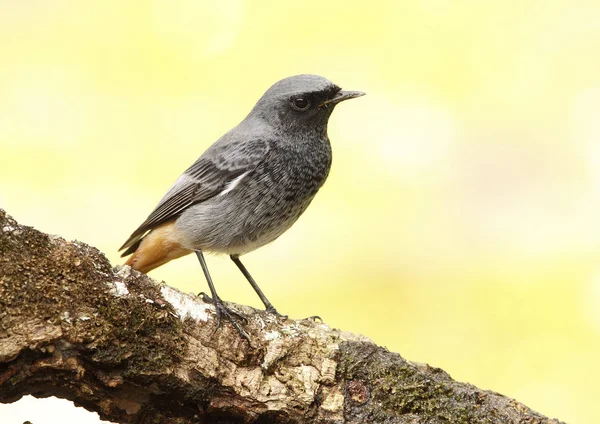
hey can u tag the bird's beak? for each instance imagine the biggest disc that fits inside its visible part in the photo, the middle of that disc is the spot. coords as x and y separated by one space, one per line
341 96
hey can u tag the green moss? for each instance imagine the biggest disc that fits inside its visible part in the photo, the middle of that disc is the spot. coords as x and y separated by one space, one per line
398 391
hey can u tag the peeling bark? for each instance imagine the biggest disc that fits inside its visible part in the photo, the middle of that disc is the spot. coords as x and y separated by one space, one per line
116 342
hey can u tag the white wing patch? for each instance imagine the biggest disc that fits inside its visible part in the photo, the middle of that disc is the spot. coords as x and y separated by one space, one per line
233 183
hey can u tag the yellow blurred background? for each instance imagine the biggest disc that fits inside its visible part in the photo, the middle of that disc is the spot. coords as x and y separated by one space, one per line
459 224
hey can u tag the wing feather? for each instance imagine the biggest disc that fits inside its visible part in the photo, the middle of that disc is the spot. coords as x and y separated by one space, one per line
209 176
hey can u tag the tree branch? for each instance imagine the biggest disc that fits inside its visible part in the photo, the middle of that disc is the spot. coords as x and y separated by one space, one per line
116 342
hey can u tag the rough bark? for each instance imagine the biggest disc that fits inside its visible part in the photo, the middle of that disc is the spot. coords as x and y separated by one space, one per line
136 351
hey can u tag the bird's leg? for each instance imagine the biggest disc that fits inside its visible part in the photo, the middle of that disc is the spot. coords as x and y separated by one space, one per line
222 310
268 306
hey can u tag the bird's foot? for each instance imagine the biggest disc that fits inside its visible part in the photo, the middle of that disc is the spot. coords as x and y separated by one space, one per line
315 318
231 315
271 310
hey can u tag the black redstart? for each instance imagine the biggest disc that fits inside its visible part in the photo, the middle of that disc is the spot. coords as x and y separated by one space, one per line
249 187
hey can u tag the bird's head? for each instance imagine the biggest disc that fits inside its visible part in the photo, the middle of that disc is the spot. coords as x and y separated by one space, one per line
301 102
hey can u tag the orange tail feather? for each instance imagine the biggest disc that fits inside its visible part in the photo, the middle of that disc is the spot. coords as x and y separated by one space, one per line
160 246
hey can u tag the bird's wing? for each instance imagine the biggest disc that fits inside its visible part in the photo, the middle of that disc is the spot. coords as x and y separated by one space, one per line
215 172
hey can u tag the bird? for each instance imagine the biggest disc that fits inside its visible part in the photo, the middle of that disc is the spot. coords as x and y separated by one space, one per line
247 188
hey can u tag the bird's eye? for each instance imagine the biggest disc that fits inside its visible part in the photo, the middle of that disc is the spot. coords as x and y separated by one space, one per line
301 104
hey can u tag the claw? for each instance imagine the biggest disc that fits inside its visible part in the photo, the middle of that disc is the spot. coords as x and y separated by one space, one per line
205 298
273 311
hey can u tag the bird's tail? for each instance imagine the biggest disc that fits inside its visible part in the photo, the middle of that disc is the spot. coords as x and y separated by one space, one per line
158 247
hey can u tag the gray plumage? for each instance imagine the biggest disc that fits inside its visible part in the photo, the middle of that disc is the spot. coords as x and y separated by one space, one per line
254 182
